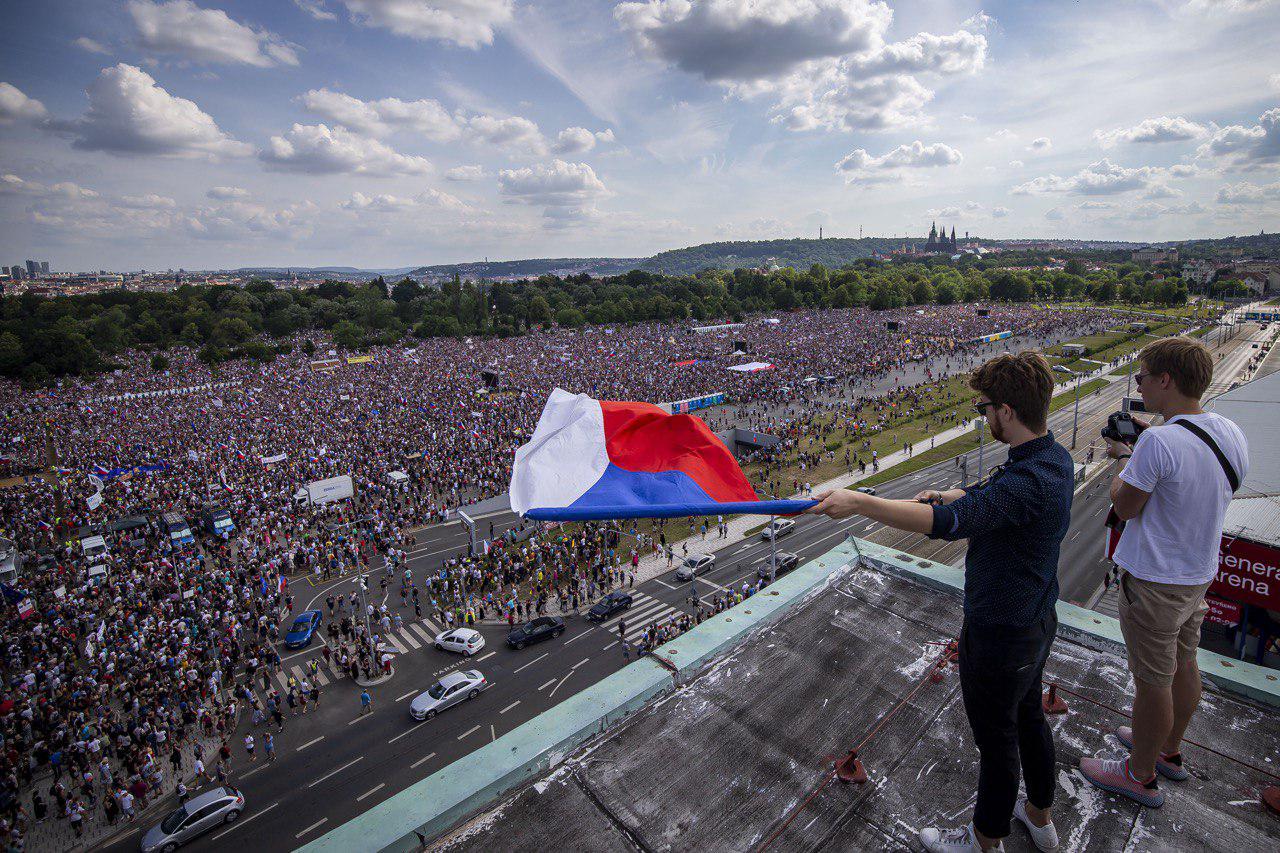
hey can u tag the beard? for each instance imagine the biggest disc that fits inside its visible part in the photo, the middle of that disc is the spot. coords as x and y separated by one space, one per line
997 432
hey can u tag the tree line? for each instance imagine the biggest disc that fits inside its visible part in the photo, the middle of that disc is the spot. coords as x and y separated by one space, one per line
45 338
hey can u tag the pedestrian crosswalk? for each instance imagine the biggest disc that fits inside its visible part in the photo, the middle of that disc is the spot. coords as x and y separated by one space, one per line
412 635
644 610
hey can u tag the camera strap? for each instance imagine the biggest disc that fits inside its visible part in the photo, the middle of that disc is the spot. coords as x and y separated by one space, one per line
1232 478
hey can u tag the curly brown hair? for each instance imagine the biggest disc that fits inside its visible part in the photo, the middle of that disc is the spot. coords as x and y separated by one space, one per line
1023 381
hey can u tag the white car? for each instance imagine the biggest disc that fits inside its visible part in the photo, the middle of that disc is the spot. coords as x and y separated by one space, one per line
778 528
468 641
449 690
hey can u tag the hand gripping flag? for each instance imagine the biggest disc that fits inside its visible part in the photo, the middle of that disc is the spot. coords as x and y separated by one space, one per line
593 459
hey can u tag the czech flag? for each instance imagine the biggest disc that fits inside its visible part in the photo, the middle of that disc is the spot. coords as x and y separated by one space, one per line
593 459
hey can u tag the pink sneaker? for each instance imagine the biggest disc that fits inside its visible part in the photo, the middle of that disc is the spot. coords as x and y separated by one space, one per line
1169 766
1113 775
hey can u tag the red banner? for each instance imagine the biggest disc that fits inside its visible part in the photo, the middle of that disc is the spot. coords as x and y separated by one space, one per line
1248 572
1222 612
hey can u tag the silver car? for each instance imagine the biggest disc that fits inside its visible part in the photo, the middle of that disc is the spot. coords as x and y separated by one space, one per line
695 566
197 816
778 528
450 690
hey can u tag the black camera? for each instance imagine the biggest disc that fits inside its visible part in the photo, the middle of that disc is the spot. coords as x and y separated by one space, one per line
1122 427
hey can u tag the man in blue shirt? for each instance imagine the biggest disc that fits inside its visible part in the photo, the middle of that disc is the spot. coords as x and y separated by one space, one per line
1014 522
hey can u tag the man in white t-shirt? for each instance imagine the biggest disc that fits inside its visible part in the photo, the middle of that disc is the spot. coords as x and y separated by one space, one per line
1173 495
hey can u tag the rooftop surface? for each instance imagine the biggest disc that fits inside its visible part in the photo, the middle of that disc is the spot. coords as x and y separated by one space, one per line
722 762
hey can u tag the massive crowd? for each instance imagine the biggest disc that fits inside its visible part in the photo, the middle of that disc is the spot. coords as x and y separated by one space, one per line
108 676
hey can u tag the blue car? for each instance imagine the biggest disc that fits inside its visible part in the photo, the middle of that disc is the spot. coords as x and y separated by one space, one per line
303 629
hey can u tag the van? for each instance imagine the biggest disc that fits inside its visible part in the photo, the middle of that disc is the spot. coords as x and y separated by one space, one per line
177 529
93 549
397 478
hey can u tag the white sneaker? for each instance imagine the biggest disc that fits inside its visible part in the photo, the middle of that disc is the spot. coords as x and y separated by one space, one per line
958 840
1045 837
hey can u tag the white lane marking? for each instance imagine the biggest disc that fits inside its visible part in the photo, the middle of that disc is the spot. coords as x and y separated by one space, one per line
509 707
320 822
562 681
579 636
415 764
309 743
321 678
395 641
544 687
635 612
406 733
251 772
417 629
485 657
578 664
409 638
406 696
645 616
493 735
664 583
371 791
530 663
359 718
243 822
611 645
1074 535
471 730
332 773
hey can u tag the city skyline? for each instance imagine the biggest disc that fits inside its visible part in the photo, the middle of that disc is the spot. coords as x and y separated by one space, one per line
384 133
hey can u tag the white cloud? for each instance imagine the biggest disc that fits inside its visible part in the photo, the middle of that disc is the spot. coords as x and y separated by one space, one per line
860 167
129 113
182 28
65 190
16 106
1100 178
431 198
1161 191
577 140
1095 205
565 191
1161 129
1246 147
1274 82
316 9
1247 193
148 201
318 149
1151 210
943 213
973 206
1040 143
382 117
1054 214
223 193
1016 164
1000 212
467 23
465 173
825 63
87 44
1004 134
742 40
512 132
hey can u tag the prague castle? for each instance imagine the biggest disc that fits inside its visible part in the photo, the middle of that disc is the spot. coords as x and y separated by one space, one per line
940 242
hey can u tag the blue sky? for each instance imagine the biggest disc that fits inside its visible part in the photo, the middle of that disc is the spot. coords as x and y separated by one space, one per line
380 133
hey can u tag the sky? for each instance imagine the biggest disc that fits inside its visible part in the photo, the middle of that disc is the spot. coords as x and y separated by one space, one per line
211 134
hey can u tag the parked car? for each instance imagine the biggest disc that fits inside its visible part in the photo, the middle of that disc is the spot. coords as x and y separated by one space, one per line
197 816
468 641
786 562
693 566
303 629
866 490
448 691
778 528
614 602
542 628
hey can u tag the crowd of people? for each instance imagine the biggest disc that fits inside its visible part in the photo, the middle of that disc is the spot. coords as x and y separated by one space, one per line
113 665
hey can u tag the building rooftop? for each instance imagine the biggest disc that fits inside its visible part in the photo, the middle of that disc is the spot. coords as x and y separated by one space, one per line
1253 407
737 755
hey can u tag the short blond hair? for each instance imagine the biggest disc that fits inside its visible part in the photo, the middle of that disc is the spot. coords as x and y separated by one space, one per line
1186 360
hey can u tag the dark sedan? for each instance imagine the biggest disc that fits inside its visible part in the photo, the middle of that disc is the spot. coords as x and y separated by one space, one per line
786 562
614 602
542 628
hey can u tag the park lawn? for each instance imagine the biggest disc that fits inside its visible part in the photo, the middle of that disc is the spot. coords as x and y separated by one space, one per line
964 443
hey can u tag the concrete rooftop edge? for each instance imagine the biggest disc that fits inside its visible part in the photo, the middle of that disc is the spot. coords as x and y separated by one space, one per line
442 800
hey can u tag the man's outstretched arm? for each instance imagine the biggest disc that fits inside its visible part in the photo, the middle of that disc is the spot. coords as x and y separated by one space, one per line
909 515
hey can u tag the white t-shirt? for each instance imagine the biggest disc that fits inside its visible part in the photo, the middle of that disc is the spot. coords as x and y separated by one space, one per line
1175 539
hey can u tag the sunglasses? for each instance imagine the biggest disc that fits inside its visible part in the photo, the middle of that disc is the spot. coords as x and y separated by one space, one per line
1138 377
980 407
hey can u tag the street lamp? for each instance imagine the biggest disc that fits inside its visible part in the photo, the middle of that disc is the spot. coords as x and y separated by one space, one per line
1075 423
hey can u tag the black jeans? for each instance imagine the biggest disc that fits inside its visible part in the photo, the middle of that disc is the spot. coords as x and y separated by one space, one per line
1000 671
